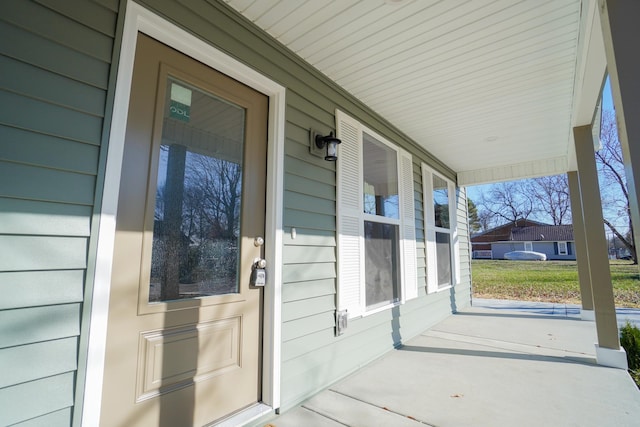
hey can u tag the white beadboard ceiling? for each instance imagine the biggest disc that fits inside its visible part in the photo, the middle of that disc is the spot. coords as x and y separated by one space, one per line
492 88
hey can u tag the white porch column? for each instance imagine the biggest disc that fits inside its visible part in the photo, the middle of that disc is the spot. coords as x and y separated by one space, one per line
621 33
582 255
608 350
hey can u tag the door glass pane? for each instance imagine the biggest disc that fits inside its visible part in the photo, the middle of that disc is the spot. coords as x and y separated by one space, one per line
196 227
441 201
443 255
381 263
380 179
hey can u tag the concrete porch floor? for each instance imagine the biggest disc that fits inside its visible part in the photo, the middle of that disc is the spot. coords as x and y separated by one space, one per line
482 367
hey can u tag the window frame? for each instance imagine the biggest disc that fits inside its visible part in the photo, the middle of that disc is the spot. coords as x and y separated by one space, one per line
350 218
430 230
566 248
381 219
529 245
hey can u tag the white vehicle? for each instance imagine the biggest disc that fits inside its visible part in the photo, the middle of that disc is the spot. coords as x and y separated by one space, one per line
525 256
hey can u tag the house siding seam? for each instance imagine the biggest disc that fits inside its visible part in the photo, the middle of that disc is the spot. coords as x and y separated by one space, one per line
55 59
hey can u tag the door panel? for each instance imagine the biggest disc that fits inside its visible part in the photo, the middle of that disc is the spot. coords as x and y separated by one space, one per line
184 328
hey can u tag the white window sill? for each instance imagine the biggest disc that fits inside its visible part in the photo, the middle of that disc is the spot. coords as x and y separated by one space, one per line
438 290
380 309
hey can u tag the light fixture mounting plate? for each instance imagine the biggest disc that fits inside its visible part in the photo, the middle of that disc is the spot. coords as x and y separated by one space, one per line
313 147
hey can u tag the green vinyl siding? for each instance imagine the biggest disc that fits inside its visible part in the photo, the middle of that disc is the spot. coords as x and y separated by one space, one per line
57 418
40 360
303 219
37 324
38 83
37 183
310 254
55 59
309 203
28 217
302 308
301 272
28 113
302 185
421 261
463 289
26 46
294 291
87 13
27 401
40 288
38 149
20 253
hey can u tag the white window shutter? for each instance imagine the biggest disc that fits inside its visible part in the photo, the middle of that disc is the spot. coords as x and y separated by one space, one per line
408 236
349 216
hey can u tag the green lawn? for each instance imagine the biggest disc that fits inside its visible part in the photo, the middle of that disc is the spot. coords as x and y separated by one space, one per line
552 281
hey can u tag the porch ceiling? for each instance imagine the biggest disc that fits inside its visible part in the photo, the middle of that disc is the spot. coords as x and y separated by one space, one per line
490 87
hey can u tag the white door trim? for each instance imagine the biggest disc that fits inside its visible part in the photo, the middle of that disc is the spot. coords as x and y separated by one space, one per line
139 19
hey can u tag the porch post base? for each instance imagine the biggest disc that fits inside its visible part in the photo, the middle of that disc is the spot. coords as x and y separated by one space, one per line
587 315
612 358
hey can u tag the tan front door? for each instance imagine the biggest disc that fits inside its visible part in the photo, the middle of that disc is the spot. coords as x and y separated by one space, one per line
184 329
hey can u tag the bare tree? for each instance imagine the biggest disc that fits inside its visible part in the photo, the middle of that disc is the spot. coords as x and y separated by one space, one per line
615 197
545 199
552 196
508 201
485 219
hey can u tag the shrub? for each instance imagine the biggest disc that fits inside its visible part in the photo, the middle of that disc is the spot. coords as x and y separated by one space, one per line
630 341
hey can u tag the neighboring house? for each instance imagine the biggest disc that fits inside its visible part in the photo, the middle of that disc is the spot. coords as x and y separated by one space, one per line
481 242
555 241
200 115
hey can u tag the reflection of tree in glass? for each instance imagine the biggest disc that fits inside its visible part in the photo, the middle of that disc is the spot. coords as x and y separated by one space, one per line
214 187
207 225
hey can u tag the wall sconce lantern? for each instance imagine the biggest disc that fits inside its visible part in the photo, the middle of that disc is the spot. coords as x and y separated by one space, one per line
324 146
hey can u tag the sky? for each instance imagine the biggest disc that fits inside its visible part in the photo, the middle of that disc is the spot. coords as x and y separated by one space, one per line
607 97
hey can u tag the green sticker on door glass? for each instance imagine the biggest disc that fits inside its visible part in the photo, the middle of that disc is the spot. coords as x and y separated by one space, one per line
180 104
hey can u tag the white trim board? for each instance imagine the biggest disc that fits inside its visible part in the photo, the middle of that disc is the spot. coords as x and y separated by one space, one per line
139 19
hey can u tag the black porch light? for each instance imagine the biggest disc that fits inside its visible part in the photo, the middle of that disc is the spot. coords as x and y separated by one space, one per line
329 142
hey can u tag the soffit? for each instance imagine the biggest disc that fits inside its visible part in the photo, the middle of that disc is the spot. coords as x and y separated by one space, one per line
487 86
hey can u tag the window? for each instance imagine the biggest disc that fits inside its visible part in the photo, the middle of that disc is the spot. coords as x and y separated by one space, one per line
528 246
381 222
441 232
562 248
376 229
